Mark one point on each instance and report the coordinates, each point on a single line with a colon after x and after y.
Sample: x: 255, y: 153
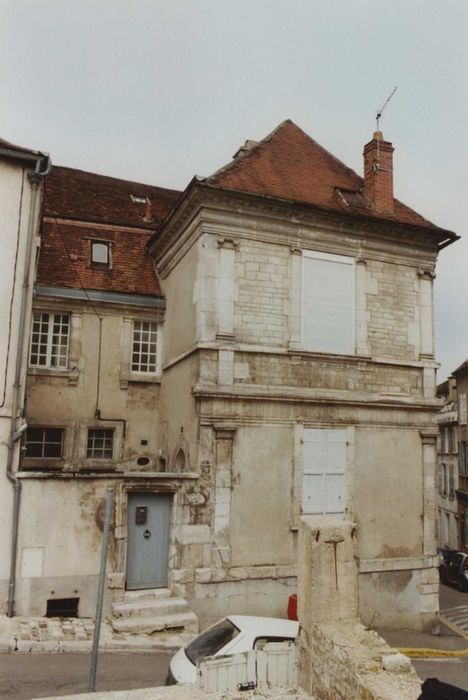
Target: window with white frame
x: 49, y: 340
x: 43, y: 443
x: 100, y: 253
x: 100, y: 443
x: 145, y: 347
x: 324, y: 471
x: 328, y: 301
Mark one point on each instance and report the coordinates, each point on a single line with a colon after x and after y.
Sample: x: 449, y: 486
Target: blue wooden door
x: 149, y: 517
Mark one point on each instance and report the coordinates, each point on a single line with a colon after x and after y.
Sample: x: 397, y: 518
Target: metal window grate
x: 62, y: 607
x: 49, y: 340
x: 144, y: 350
x: 43, y: 443
x: 100, y: 443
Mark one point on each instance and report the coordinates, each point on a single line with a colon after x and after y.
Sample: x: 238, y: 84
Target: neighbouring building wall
x: 461, y: 376
x: 447, y: 471
x: 16, y: 201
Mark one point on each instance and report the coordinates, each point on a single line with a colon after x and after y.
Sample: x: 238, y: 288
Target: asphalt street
x: 24, y: 676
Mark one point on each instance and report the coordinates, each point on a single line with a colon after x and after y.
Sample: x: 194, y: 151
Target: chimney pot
x: 378, y: 172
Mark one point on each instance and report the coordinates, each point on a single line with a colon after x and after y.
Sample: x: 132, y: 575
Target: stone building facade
x: 447, y: 467
x: 295, y: 374
x: 461, y: 378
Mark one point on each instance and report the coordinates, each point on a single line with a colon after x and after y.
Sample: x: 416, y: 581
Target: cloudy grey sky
x: 158, y: 90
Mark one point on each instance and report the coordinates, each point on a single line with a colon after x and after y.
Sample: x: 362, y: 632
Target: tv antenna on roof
x: 379, y: 113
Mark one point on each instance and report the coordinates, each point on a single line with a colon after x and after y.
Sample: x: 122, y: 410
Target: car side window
x: 260, y: 642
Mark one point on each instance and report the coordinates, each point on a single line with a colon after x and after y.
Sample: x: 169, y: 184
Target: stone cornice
x: 199, y: 196
x: 232, y: 218
x: 301, y: 395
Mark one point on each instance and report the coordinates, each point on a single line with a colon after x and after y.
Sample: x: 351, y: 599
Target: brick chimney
x: 378, y: 172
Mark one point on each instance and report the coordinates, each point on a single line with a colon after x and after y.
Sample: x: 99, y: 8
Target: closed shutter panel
x: 324, y: 472
x: 328, y: 305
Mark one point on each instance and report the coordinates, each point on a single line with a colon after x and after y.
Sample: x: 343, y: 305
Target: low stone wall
x: 339, y: 659
x: 346, y: 661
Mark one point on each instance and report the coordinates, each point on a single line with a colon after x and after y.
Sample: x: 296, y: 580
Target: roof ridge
x: 236, y: 161
x: 112, y: 177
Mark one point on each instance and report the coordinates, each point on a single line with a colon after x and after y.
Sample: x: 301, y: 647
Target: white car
x: 231, y: 635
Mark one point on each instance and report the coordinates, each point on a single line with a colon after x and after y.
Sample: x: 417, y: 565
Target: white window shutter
x: 328, y: 304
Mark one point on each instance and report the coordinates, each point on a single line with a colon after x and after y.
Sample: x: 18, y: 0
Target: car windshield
x: 212, y: 640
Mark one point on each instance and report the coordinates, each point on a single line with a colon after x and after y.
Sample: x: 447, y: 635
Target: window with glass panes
x: 100, y: 443
x: 43, y: 443
x: 144, y: 347
x: 49, y: 340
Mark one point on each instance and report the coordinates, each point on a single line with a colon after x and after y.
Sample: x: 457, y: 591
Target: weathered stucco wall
x: 261, y: 487
x: 181, y: 321
x: 59, y: 549
x: 69, y: 398
x: 388, y: 488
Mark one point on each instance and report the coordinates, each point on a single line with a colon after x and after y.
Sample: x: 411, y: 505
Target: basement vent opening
x: 142, y: 461
x: 62, y: 607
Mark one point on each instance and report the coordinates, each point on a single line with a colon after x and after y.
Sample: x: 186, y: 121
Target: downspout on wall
x: 35, y: 178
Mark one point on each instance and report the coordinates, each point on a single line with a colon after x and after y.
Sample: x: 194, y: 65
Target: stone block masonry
x: 338, y: 656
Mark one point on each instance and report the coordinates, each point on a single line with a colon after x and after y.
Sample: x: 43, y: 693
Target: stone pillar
x: 362, y: 339
x: 221, y: 553
x: 429, y: 462
x: 227, y: 252
x: 426, y: 315
x: 295, y: 315
x: 327, y: 571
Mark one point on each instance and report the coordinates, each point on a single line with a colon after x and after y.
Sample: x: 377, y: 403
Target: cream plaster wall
x: 59, y: 548
x: 179, y: 420
x: 68, y: 398
x: 262, y: 483
x: 15, y: 205
x: 179, y: 289
x: 388, y: 493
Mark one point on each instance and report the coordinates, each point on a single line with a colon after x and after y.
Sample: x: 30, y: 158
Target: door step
x: 151, y: 612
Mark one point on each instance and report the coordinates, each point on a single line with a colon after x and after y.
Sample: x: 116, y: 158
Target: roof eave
x: 446, y: 237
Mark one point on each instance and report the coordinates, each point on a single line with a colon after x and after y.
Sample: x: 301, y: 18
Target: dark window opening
x: 143, y: 461
x: 43, y: 443
x: 100, y: 443
x: 62, y: 607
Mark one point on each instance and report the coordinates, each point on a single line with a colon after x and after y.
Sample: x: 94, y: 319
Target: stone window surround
x: 361, y: 345
x: 297, y: 466
x: 71, y: 372
x: 126, y: 344
x: 86, y: 463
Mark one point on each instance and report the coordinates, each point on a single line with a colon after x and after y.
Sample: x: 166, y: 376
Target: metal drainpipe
x: 35, y: 178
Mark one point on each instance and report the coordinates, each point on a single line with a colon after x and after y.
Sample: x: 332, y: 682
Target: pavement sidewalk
x: 74, y: 635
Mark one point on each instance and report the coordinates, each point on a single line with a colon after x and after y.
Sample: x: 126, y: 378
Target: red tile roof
x: 75, y: 194
x: 80, y: 206
x: 290, y: 165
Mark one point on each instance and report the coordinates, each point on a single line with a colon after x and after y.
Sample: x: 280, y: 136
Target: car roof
x: 267, y: 626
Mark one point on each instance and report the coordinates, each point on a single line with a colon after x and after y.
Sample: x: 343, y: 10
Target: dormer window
x: 100, y: 253
x: 139, y: 199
